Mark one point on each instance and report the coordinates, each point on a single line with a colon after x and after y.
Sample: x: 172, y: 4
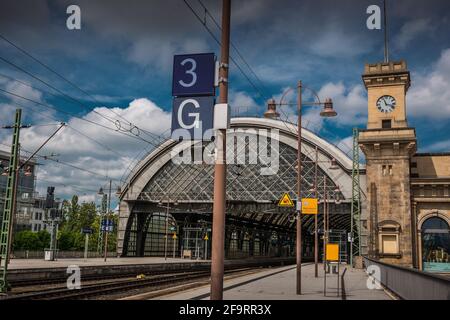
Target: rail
x: 408, y: 284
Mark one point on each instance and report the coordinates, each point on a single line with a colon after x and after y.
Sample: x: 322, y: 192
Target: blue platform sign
x: 193, y: 75
x: 87, y: 230
x: 194, y: 115
x: 107, y: 225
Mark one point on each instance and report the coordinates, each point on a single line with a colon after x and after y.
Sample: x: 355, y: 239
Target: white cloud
x: 242, y: 104
x: 350, y: 103
x: 439, y: 146
x: 429, y: 96
x: 334, y: 42
x: 158, y: 52
x: 411, y: 30
x: 80, y: 151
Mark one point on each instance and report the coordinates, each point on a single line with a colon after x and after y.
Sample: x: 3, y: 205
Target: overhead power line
x: 50, y: 86
x: 117, y: 122
x: 204, y: 24
x: 104, y: 146
x: 234, y: 47
x: 75, y: 116
x: 65, y: 163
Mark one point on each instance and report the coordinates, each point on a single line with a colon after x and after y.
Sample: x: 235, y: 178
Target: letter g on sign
x: 195, y: 115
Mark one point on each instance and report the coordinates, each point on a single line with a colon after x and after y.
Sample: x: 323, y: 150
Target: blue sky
x: 122, y: 57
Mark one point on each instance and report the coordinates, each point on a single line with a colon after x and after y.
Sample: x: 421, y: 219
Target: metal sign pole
x: 86, y: 244
x: 220, y: 172
x: 339, y: 263
x: 174, y: 243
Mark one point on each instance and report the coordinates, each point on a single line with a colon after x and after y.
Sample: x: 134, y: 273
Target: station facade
x: 255, y: 224
x: 407, y: 192
x: 405, y: 199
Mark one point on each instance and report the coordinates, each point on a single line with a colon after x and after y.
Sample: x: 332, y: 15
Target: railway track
x: 104, y: 289
x: 85, y: 278
x: 48, y: 276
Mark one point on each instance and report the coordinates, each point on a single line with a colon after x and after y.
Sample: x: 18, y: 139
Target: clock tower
x: 388, y: 144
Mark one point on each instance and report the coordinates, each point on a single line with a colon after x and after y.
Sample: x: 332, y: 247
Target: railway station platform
x: 279, y: 284
x: 91, y: 262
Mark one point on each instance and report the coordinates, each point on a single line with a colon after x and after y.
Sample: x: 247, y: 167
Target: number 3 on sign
x: 190, y: 72
x: 193, y: 75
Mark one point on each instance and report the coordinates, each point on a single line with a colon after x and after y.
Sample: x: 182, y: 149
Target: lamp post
x: 107, y: 216
x: 14, y: 167
x: 315, y: 190
x: 166, y: 232
x: 326, y: 219
x: 327, y: 111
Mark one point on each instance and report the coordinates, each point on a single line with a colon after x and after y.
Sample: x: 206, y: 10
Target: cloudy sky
x: 119, y: 68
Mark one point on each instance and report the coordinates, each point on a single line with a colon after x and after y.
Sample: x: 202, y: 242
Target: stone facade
x: 388, y: 150
x: 404, y: 188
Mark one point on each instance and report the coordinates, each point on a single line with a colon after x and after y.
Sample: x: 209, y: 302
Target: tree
x: 28, y: 240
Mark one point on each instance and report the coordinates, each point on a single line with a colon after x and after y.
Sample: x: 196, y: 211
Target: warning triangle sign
x: 174, y: 237
x: 286, y: 201
x: 206, y: 238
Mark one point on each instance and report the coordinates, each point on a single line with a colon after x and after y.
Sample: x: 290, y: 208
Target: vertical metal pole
x: 167, y: 230
x: 206, y: 249
x: 86, y: 245
x: 197, y: 253
x: 316, y: 234
x: 14, y: 203
x: 52, y: 243
x: 386, y: 40
x: 324, y: 221
x: 174, y: 245
x: 10, y: 204
x: 218, y: 228
x: 299, y: 196
x: 325, y: 235
x: 339, y: 263
x: 107, y: 219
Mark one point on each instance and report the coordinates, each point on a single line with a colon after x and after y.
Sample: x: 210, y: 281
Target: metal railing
x: 408, y: 284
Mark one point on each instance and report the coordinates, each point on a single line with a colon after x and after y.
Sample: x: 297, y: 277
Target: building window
x: 389, y: 238
x: 386, y: 124
x: 436, y: 245
x: 387, y: 170
x: 389, y: 243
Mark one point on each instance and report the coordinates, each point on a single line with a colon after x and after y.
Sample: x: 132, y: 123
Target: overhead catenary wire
x: 258, y: 91
x: 25, y: 52
x: 78, y: 117
x: 104, y: 146
x: 65, y: 163
x: 53, y: 87
x: 81, y: 189
x: 234, y: 47
x: 90, y: 138
x: 97, y: 142
x: 65, y: 98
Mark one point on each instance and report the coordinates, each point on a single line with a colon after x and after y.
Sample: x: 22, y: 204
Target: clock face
x: 386, y: 104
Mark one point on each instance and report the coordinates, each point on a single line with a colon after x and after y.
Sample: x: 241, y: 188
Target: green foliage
x: 28, y: 240
x: 75, y: 217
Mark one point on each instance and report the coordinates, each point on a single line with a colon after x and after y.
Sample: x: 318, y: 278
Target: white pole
x: 86, y: 244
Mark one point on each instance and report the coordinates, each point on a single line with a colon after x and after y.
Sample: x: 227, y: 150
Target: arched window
x: 435, y: 245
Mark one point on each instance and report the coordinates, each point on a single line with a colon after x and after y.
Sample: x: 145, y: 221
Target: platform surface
x: 40, y: 263
x: 279, y: 284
